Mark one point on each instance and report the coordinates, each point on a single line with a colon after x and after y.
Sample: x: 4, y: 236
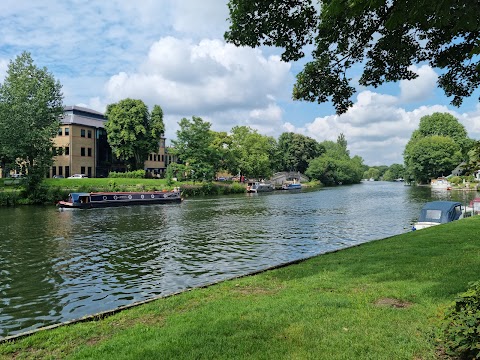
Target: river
x: 58, y: 266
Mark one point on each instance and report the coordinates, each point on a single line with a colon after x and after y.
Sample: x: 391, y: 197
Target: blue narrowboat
x: 111, y: 199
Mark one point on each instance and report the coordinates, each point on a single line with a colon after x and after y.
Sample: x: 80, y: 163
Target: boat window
x: 433, y: 215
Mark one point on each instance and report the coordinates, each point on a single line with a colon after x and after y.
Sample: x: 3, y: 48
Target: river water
x: 58, y: 266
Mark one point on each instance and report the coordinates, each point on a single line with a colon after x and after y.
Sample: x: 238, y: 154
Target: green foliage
x: 335, y: 166
x: 169, y: 175
x: 372, y: 173
x: 194, y: 148
x: 455, y: 180
x: 132, y: 132
x: 209, y: 188
x: 387, y: 36
x: 461, y: 325
x: 252, y: 154
x: 136, y: 174
x: 296, y: 150
x: 9, y: 198
x: 431, y: 157
x: 395, y: 171
x: 30, y: 109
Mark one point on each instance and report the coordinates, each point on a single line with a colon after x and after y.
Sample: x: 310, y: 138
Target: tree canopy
x: 387, y: 37
x: 335, y: 166
x: 132, y: 132
x: 31, y: 104
x: 296, y: 150
x: 438, y: 145
x: 196, y: 149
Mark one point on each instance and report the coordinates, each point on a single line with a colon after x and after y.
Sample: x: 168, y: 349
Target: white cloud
x: 421, y: 88
x: 3, y: 69
x: 209, y: 79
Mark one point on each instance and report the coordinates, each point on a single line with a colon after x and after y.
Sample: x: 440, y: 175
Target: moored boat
x: 289, y: 185
x: 439, y: 212
x: 256, y: 187
x: 441, y: 184
x: 112, y: 199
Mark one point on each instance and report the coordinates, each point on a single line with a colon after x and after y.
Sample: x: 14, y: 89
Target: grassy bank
x: 54, y: 190
x: 380, y: 300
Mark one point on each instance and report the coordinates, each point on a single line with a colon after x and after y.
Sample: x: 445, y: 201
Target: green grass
x: 380, y: 300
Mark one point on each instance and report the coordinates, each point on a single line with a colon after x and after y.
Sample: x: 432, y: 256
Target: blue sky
x: 172, y: 53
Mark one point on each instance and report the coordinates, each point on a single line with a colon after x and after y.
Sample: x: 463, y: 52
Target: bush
x: 137, y: 174
x: 461, y: 325
x: 455, y: 180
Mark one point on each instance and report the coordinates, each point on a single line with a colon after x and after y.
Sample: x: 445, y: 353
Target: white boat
x: 439, y: 212
x: 256, y: 187
x: 441, y: 184
x: 291, y: 185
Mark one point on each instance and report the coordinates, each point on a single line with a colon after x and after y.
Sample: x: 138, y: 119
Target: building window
x: 82, y: 152
x: 82, y: 170
x: 82, y: 132
x: 60, y: 132
x: 67, y: 171
x: 163, y: 158
x: 89, y: 173
x: 54, y: 171
x: 150, y: 157
x: 89, y: 134
x: 67, y: 150
x: 89, y: 151
x: 67, y: 131
x: 154, y: 157
x: 60, y: 170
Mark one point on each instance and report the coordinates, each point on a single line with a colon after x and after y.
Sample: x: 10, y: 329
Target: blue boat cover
x: 76, y: 196
x: 440, y: 211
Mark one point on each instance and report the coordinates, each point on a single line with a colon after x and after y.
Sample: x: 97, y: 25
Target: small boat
x: 256, y: 187
x: 291, y: 185
x: 112, y: 199
x: 440, y: 184
x: 439, y: 212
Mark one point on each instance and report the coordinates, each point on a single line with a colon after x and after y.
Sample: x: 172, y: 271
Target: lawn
x: 380, y: 300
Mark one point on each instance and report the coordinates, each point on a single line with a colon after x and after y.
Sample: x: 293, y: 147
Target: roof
x: 83, y: 116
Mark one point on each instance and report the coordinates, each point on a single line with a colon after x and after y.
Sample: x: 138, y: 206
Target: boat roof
x: 440, y: 212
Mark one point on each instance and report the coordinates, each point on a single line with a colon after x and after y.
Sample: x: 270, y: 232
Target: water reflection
x: 57, y: 266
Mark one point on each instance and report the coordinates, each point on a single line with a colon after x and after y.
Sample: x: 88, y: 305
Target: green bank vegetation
x: 381, y: 300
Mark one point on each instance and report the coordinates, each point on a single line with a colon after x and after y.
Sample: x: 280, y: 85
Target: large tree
x: 132, y: 132
x: 430, y: 157
x: 252, y: 153
x: 297, y: 150
x: 31, y: 104
x: 444, y: 157
x: 387, y: 37
x: 196, y: 149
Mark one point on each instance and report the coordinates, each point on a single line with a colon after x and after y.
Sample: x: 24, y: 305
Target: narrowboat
x: 111, y: 199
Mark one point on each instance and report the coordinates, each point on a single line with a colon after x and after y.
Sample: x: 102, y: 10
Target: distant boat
x: 438, y: 212
x: 440, y: 184
x: 291, y: 185
x: 112, y: 199
x: 257, y: 187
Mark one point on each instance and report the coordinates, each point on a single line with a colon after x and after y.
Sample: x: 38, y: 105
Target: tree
x: 132, y: 132
x: 395, y: 171
x: 430, y: 157
x: 335, y: 166
x: 372, y: 173
x: 387, y: 36
x: 195, y: 149
x: 31, y: 104
x: 251, y: 153
x: 296, y: 151
x: 438, y: 126
x: 445, y: 124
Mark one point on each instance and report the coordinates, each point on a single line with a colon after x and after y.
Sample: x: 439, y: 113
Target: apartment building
x: 83, y: 148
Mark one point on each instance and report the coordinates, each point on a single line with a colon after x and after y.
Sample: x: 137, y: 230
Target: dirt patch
x: 395, y: 303
x: 253, y: 290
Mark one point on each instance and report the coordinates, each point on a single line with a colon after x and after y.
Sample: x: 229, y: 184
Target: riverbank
x: 377, y: 300
x: 54, y: 190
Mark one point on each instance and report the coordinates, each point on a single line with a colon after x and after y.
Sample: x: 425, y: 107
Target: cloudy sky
x: 172, y: 53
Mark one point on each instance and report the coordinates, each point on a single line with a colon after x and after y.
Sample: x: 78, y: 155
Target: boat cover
x: 76, y: 196
x: 440, y: 211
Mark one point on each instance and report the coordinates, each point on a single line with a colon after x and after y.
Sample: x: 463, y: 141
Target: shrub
x: 461, y: 325
x: 455, y: 180
x: 137, y: 174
